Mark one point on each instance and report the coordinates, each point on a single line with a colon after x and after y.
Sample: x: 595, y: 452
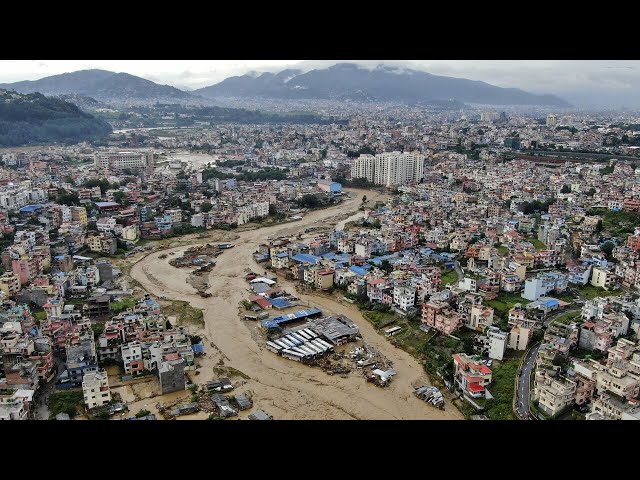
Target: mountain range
x: 343, y: 81
x: 101, y: 85
x: 383, y: 83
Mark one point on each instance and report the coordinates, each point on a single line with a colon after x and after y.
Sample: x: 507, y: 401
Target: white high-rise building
x: 121, y: 160
x: 389, y: 168
x: 552, y: 120
x: 362, y: 167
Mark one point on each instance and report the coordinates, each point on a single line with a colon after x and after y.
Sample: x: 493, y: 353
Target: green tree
x: 599, y: 226
x: 206, y: 207
x: 118, y: 197
x: 565, y: 189
x: 607, y: 249
x: 309, y: 201
x: 386, y: 266
x: 364, y: 199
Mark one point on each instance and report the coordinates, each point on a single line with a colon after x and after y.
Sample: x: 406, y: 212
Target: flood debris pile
x: 201, y: 256
x: 333, y: 364
x: 430, y: 394
x: 176, y: 409
x: 375, y: 367
x: 223, y: 406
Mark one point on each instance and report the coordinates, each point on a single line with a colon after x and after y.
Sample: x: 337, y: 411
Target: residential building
x: 497, y: 343
x: 554, y: 393
x: 171, y: 375
x: 470, y: 376
x: 131, y: 354
x: 95, y: 388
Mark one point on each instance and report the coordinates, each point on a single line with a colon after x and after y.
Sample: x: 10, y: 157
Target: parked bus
x: 304, y: 335
x: 326, y: 344
x: 310, y: 332
x: 390, y: 332
x: 291, y: 355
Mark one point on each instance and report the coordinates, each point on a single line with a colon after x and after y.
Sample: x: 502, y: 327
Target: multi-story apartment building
x: 132, y: 358
x: 470, y: 376
x: 95, y: 388
x: 389, y: 168
x: 480, y: 318
x: 603, y: 278
x: 497, y: 343
x: 79, y: 214
x: 404, y: 296
x: 537, y: 287
x: 10, y: 283
x: 122, y: 160
x: 442, y: 318
x: 554, y: 393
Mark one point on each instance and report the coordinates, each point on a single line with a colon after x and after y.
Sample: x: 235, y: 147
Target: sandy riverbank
x: 286, y: 389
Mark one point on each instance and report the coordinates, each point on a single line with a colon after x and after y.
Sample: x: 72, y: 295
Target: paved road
x: 524, y: 387
x: 42, y: 399
x: 459, y: 271
x: 524, y: 375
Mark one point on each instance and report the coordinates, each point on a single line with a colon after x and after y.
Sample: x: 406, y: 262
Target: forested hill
x: 34, y: 118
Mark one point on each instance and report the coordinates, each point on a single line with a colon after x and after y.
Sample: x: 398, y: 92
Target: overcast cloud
x: 588, y: 82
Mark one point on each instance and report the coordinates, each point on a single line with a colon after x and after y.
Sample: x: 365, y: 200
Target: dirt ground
x: 283, y: 388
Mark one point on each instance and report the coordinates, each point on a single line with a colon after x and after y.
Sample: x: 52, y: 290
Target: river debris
x: 430, y: 394
x: 201, y: 256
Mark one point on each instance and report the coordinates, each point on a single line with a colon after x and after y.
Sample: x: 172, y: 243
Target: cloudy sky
x: 594, y: 82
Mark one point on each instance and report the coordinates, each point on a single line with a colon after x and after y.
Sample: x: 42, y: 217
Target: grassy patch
x: 567, y: 318
x: 502, y: 386
x: 505, y: 302
x: 581, y: 354
x: 589, y: 292
x: 617, y: 224
x: 40, y: 315
x: 185, y: 313
x: 448, y: 277
x: 412, y: 340
x: 536, y: 243
x: 122, y: 305
x: 65, y: 402
x: 379, y: 319
x: 502, y: 250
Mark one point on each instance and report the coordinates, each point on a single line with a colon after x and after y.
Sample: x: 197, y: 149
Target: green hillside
x: 34, y: 118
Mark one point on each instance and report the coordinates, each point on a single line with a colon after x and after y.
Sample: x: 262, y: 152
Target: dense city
x: 363, y: 262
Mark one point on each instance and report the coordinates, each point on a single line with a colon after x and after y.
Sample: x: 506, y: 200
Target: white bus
x: 390, y: 332
x: 273, y: 347
x: 291, y: 355
x: 301, y: 333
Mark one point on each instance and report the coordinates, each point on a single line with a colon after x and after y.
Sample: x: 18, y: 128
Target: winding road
x: 523, y: 407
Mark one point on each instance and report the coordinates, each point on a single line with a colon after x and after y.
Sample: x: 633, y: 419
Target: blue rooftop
x: 197, y: 348
x: 30, y: 208
x: 282, y: 255
x: 378, y: 260
x: 306, y: 258
x: 550, y: 302
x: 290, y: 317
x: 279, y: 302
x: 360, y: 271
